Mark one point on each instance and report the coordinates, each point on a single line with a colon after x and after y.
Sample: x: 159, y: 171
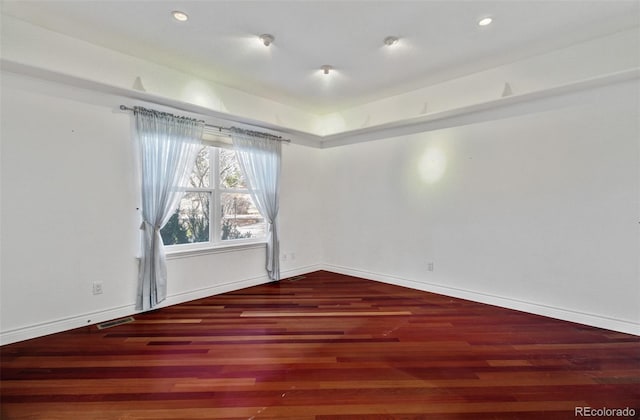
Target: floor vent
x: 115, y: 322
x: 296, y: 278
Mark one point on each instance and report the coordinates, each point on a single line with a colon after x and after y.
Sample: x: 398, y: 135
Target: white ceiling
x: 439, y: 39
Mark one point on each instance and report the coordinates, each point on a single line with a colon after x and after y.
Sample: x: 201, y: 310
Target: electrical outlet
x: 97, y: 287
x: 430, y: 266
x: 293, y: 255
x: 283, y: 257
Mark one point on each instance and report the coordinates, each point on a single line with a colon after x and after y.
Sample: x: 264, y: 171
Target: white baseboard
x: 593, y: 320
x: 91, y: 318
x: 301, y: 270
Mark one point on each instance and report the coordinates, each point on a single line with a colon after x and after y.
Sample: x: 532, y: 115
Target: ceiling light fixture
x: 391, y: 41
x: 180, y: 16
x: 267, y: 39
x: 485, y: 21
x: 326, y: 68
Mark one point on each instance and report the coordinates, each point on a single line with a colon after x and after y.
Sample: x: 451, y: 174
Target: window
x: 217, y: 207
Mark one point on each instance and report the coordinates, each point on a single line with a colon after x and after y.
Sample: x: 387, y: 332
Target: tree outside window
x: 215, y: 182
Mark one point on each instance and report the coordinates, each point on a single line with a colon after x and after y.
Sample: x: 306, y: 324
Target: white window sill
x: 175, y: 252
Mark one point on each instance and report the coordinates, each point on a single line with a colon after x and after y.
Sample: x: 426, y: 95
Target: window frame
x: 215, y: 189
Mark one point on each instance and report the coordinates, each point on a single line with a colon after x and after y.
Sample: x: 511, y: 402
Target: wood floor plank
x: 258, y: 314
x: 327, y: 346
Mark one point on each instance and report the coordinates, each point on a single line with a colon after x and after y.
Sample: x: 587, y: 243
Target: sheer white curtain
x: 259, y: 158
x: 168, y: 146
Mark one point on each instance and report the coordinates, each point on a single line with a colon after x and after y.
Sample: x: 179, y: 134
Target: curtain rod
x: 231, y: 130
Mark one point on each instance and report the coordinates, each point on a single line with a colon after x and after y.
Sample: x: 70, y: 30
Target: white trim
x: 91, y: 318
x: 474, y: 113
x: 175, y: 252
x: 218, y: 117
x: 467, y: 114
x: 299, y: 271
x: 584, y: 318
x: 64, y: 324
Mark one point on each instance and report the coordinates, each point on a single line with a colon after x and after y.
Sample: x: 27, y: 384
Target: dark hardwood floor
x: 327, y: 346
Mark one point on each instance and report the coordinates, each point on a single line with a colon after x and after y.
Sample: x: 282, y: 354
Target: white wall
x: 536, y: 212
x: 69, y: 217
x: 68, y: 206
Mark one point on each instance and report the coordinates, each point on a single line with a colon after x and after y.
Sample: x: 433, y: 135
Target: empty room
x: 320, y: 209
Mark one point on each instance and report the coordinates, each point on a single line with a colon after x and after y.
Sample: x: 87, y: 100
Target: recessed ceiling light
x: 326, y: 68
x: 267, y: 39
x: 485, y: 21
x: 391, y: 41
x: 180, y: 16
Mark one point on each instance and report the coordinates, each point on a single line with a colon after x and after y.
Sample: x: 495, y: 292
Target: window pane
x: 190, y: 223
x: 230, y: 175
x: 201, y: 170
x: 240, y: 218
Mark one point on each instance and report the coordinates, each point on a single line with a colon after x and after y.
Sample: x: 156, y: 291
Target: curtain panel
x: 260, y: 160
x: 167, y: 147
